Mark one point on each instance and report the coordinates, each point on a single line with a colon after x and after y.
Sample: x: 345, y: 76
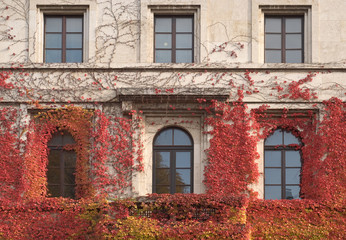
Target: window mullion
x: 64, y: 39
x: 174, y: 39
x: 173, y: 172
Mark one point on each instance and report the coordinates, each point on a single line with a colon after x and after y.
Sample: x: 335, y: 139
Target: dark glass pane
x: 54, y: 24
x: 54, y: 191
x: 274, y: 139
x: 293, y: 25
x: 54, y: 158
x: 53, y: 41
x: 272, y: 158
x: 184, y: 40
x: 74, y: 24
x: 273, y: 25
x: 292, y: 159
x: 162, y: 189
x: 181, y: 138
x: 162, y: 159
x: 292, y: 192
x: 292, y: 175
x: 184, y: 56
x: 53, y: 175
x: 74, y: 56
x: 56, y: 140
x: 163, y: 41
x: 74, y: 40
x: 164, y: 138
x: 272, y: 192
x: 272, y: 176
x: 70, y: 191
x: 183, y: 176
x: 53, y: 56
x: 289, y: 138
x: 162, y: 176
x: 273, y: 41
x: 294, y: 56
x: 68, y: 139
x: 183, y: 189
x: 163, y: 56
x: 163, y: 25
x: 70, y: 159
x: 293, y: 41
x: 273, y: 56
x: 183, y: 24
x: 69, y: 176
x: 183, y: 159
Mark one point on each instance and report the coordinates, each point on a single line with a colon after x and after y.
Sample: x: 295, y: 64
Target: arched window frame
x: 59, y: 146
x: 173, y: 149
x: 283, y: 149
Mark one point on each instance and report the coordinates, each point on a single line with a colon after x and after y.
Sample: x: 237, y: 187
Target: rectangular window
x: 174, y: 39
x: 63, y: 39
x: 284, y: 39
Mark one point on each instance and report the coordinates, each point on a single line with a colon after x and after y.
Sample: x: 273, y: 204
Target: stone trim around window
x: 148, y: 13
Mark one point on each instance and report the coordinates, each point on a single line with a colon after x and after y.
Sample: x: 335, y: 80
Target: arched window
x: 173, y: 162
x: 61, y: 166
x: 282, y: 166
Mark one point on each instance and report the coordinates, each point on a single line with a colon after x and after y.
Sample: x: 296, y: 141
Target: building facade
x: 159, y: 64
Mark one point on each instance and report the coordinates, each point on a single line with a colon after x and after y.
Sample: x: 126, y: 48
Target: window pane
x: 53, y: 56
x: 53, y: 175
x: 292, y: 175
x: 74, y: 56
x: 184, y: 24
x: 293, y: 41
x: 54, y: 158
x: 273, y: 56
x: 163, y: 41
x: 162, y: 176
x: 69, y: 176
x: 163, y: 24
x: 74, y: 40
x: 70, y: 191
x: 53, y: 24
x: 56, y: 140
x: 162, y: 159
x: 54, y: 191
x: 164, y: 138
x: 183, y: 189
x: 162, y: 189
x: 183, y: 177
x: 293, y: 25
x: 183, y: 159
x: 272, y: 176
x: 163, y: 56
x: 273, y: 41
x: 67, y: 139
x: 272, y: 192
x: 292, y: 192
x: 289, y: 138
x: 181, y: 138
x: 74, y: 24
x: 53, y: 41
x: 273, y: 25
x: 70, y: 158
x: 293, y: 56
x: 292, y: 159
x: 184, y: 56
x: 274, y: 139
x: 184, y: 40
x: 272, y: 158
